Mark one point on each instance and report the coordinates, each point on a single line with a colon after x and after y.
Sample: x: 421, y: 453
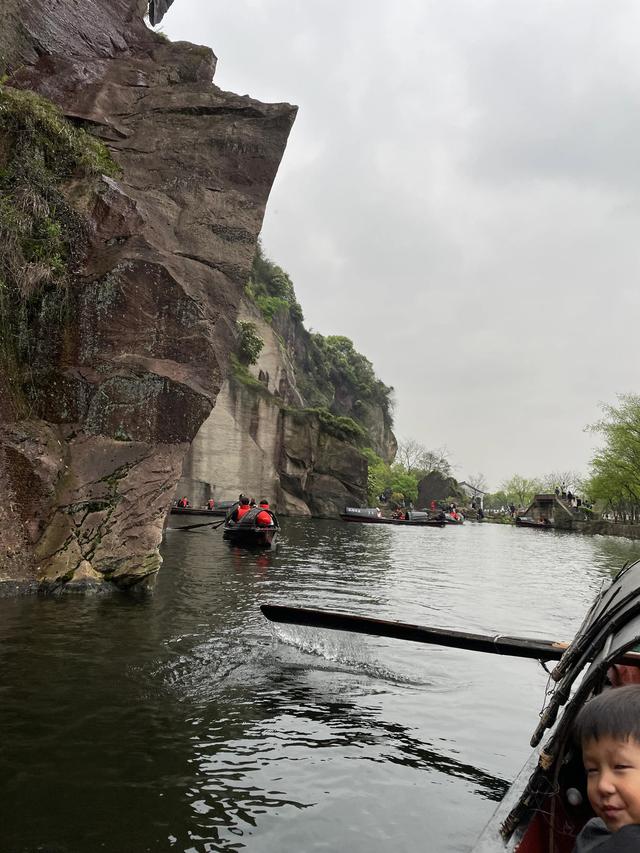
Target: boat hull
x: 534, y: 836
x: 364, y: 519
x: 179, y: 510
x: 252, y: 537
x: 521, y: 522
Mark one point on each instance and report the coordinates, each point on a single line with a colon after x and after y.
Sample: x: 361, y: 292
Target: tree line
x: 612, y: 484
x: 398, y: 482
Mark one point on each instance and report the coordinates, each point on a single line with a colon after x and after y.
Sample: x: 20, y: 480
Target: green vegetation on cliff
x: 335, y: 380
x: 272, y: 290
x: 41, y: 234
x: 250, y: 344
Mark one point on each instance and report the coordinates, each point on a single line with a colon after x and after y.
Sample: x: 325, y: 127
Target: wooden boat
x: 221, y: 508
x: 526, y: 521
x: 369, y: 515
x: 547, y: 804
x: 246, y: 533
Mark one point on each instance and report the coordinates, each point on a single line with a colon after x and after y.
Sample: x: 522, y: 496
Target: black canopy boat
x: 221, y: 508
x: 247, y: 533
x: 371, y: 515
x: 547, y: 804
x: 526, y: 521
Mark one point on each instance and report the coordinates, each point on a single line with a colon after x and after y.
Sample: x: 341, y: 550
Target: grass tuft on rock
x: 41, y: 235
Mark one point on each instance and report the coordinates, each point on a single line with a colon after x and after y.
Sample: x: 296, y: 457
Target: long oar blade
x: 522, y: 647
x: 212, y: 524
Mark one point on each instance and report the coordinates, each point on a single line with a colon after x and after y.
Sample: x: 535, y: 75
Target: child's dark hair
x: 614, y: 713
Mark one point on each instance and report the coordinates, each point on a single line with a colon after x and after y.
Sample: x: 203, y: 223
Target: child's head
x: 608, y: 728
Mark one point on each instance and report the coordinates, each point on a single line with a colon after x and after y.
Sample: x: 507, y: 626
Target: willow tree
x: 615, y: 468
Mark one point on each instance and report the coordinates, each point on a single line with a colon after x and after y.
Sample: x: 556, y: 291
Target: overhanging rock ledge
x: 126, y: 362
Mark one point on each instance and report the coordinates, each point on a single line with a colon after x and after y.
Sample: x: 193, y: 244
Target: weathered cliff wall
x: 125, y: 362
x: 260, y: 441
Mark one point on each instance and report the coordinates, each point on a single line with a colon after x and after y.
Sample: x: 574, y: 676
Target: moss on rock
x: 42, y: 236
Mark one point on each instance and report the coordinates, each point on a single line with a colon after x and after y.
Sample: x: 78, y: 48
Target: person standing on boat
x: 264, y: 517
x: 210, y: 504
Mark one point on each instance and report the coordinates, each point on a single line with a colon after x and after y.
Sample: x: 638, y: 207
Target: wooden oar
x: 211, y: 524
x: 522, y: 647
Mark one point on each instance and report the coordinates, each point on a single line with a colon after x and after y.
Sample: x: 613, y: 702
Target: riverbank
x: 594, y: 527
x: 607, y: 528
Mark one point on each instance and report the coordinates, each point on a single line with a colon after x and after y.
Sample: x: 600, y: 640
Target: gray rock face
x: 436, y: 487
x: 259, y: 440
x: 251, y: 443
x: 124, y: 376
x: 158, y: 9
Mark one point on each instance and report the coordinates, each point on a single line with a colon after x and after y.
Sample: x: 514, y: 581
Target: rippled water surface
x: 187, y: 722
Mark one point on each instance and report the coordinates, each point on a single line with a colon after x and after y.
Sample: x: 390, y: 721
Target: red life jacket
x: 243, y: 509
x: 264, y: 519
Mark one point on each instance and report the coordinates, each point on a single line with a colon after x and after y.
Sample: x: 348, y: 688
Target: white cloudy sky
x: 460, y: 196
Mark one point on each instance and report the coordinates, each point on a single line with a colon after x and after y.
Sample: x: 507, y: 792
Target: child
x: 608, y: 728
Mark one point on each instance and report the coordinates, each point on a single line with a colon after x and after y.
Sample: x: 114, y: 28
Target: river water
x: 186, y: 722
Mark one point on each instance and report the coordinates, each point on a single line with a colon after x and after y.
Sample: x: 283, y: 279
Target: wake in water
x: 347, y: 654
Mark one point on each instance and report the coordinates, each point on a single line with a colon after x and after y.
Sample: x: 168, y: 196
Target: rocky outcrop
x: 436, y: 487
x: 128, y: 360
x: 260, y: 440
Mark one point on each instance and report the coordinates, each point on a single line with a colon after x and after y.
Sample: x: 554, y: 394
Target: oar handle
x: 523, y: 647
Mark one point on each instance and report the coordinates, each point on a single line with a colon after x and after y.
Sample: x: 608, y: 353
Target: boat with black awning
x: 248, y: 533
x: 527, y: 521
x: 372, y: 515
x: 220, y: 508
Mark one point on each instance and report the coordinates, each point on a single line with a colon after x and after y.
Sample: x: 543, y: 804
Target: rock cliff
x: 292, y: 426
x: 261, y: 439
x: 118, y: 360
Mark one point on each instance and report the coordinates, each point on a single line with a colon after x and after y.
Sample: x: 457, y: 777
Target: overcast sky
x: 460, y: 196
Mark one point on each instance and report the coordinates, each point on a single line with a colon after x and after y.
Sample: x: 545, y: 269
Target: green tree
x: 615, y: 468
x: 496, y: 500
x: 520, y: 490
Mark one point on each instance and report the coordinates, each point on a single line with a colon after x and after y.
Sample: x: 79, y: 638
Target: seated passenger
x: 608, y: 728
x: 243, y: 509
x: 211, y: 503
x: 264, y: 517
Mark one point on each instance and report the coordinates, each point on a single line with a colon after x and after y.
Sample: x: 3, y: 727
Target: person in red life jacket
x: 243, y: 509
x: 211, y: 503
x: 183, y: 502
x: 264, y: 518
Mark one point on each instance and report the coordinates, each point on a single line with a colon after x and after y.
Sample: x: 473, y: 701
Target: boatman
x: 264, y: 517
